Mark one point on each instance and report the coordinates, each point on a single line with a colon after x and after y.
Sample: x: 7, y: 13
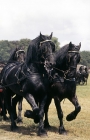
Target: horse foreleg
x: 38, y: 112
x: 60, y: 115
x: 46, y: 121
x: 41, y: 130
x: 73, y: 114
x: 29, y: 114
x: 10, y: 109
x: 19, y: 118
x: 14, y: 103
x: 3, y: 107
x: 4, y: 110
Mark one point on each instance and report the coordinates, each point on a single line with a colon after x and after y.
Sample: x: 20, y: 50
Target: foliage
x: 6, y: 47
x: 57, y: 44
x: 4, y: 50
x: 85, y: 58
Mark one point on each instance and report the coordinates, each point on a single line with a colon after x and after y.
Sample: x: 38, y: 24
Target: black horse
x: 18, y: 56
x: 86, y: 75
x: 64, y: 83
x: 82, y: 75
x: 30, y: 80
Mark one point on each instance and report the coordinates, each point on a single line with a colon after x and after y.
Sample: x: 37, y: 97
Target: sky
x: 69, y: 20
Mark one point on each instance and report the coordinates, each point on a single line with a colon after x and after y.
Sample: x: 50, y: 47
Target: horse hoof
x: 5, y: 118
x: 36, y: 120
x: 14, y: 128
x: 62, y: 131
x: 70, y: 117
x: 29, y: 114
x: 47, y: 125
x: 19, y: 120
x: 42, y: 133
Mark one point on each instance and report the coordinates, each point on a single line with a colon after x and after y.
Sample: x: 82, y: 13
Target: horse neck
x: 61, y: 57
x: 30, y: 57
x: 34, y: 67
x: 61, y: 64
x: 12, y: 57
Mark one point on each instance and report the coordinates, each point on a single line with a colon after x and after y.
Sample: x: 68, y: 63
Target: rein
x: 65, y: 72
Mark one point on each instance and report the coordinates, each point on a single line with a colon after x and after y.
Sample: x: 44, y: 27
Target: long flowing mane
x: 33, y: 47
x: 32, y: 50
x: 61, y: 54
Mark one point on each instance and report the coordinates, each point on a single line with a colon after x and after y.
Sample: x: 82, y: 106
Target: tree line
x: 7, y: 47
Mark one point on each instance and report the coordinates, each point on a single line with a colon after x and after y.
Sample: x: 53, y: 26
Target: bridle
x: 44, y: 53
x: 67, y: 71
x: 69, y: 58
x: 17, y: 52
x: 45, y: 41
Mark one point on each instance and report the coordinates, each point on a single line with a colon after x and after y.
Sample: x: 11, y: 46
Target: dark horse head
x: 67, y: 59
x: 18, y: 55
x: 40, y: 51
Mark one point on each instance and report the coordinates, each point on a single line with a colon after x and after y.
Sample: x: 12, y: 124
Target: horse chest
x: 63, y: 90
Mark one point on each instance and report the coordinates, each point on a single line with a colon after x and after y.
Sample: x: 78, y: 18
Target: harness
x: 9, y: 67
x: 63, y: 79
x: 45, y: 41
x: 44, y: 53
x: 17, y: 52
x: 6, y: 73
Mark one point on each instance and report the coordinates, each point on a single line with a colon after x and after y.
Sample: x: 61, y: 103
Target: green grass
x: 78, y: 129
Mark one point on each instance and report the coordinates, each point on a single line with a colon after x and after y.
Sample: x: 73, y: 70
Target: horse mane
x: 32, y: 51
x: 61, y: 54
x: 11, y: 59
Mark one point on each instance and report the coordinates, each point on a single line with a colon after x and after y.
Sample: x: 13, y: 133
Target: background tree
x: 6, y: 48
x: 85, y: 58
x: 57, y: 44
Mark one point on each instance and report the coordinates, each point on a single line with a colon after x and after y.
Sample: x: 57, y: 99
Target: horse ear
x: 70, y: 44
x: 40, y: 34
x: 51, y: 35
x: 41, y: 37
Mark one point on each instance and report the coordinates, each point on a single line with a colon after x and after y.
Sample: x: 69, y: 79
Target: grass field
x: 78, y: 129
